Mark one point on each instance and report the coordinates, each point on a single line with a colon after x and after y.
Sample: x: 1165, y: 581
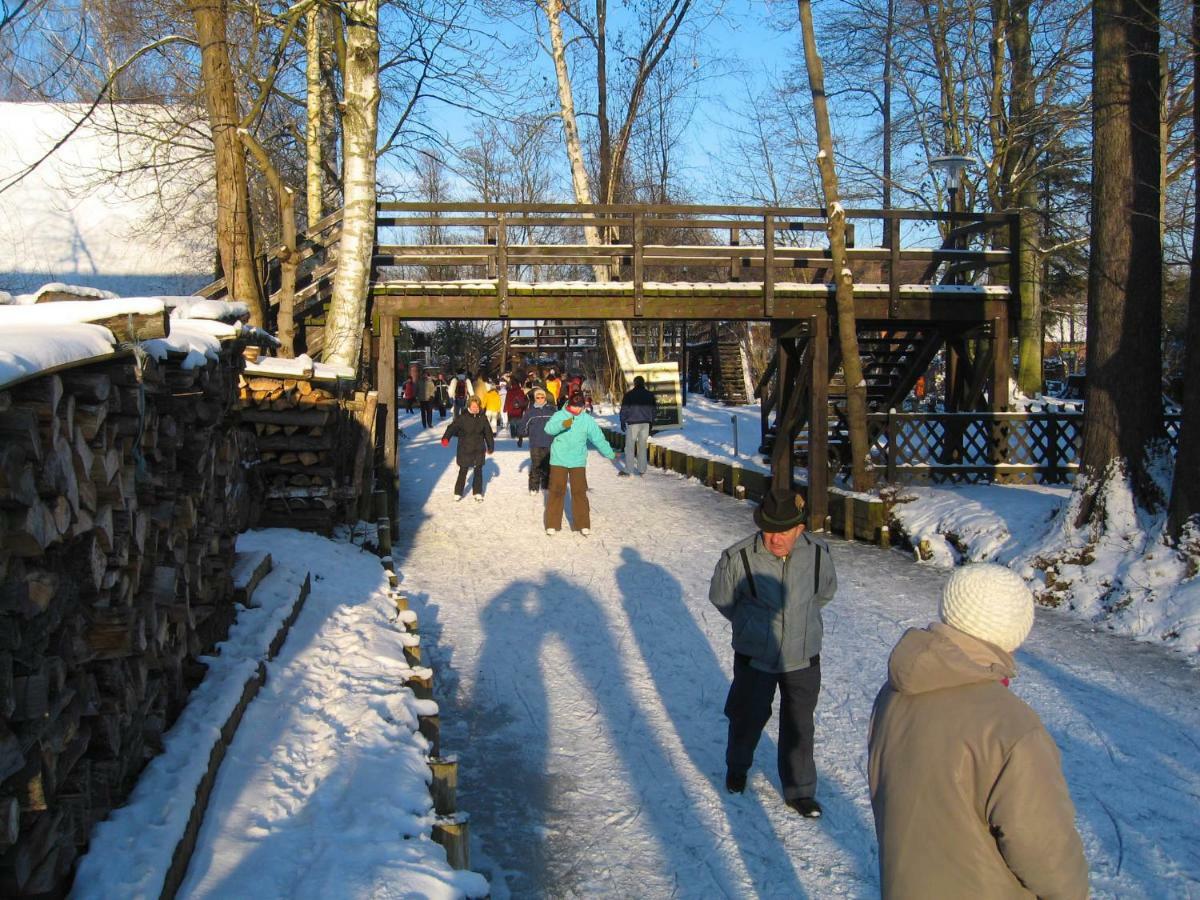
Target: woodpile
x: 121, y: 492
x: 315, y: 448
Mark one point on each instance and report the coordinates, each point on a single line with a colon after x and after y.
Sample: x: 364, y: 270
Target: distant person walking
x: 462, y: 390
x: 572, y: 429
x: 771, y: 586
x: 443, y: 395
x: 408, y: 393
x: 637, y: 415
x: 966, y: 783
x: 475, y: 444
x: 515, y: 402
x: 554, y: 386
x: 492, y: 404
x: 426, y: 394
x: 533, y: 426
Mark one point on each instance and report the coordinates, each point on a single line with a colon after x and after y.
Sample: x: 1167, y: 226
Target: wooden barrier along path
x: 856, y: 517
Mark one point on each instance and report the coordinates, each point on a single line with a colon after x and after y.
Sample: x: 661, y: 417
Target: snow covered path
x: 582, y: 680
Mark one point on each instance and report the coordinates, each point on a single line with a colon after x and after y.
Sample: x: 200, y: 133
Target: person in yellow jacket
x: 554, y: 386
x: 491, y: 405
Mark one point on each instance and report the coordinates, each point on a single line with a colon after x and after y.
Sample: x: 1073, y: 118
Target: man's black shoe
x: 735, y: 784
x: 806, y: 806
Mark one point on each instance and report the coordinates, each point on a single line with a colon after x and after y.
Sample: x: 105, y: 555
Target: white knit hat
x: 989, y: 602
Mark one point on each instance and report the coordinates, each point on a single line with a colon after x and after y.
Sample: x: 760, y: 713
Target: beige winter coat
x: 966, y: 783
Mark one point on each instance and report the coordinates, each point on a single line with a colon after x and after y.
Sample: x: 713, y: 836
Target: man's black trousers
x: 748, y: 709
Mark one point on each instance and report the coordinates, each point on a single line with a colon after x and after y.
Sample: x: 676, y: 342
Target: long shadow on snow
x: 693, y: 685
x: 530, y: 792
x: 1131, y: 771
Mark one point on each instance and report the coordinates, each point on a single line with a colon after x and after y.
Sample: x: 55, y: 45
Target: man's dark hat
x: 781, y: 510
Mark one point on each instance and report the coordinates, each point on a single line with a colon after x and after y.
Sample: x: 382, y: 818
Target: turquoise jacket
x: 570, y: 445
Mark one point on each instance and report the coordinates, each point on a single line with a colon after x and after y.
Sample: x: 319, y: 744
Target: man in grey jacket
x: 772, y: 586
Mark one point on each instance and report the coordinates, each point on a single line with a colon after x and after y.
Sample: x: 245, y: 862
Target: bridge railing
x: 641, y: 243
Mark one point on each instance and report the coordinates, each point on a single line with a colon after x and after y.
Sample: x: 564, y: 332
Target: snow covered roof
x: 69, y: 220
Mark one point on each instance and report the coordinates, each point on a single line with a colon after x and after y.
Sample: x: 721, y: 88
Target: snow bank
x: 324, y: 792
x: 131, y: 851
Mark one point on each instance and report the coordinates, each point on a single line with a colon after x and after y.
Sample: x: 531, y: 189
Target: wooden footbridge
x: 953, y: 286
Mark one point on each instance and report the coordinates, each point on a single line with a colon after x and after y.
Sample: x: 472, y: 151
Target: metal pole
x: 733, y: 422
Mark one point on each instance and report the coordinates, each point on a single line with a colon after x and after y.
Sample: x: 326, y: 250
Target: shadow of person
x: 550, y: 654
x: 1129, y: 759
x: 692, y: 685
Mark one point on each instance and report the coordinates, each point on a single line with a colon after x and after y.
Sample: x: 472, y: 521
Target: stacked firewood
x: 121, y: 493
x: 309, y: 450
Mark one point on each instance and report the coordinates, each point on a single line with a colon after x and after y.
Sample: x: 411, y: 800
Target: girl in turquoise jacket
x: 572, y: 430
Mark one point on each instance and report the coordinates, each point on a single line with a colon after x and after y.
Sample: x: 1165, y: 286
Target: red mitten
x: 445, y: 442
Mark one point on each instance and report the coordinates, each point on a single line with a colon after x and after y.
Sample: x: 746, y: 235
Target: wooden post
x: 412, y: 650
x: 892, y: 235
x: 768, y: 265
x: 892, y: 428
x: 502, y: 264
x: 420, y: 682
x: 639, y: 238
x: 384, y: 529
x: 387, y: 395
x: 444, y: 786
x: 431, y: 729
x: 734, y: 263
x: 452, y: 833
x: 400, y: 600
x: 818, y: 419
x: 848, y: 525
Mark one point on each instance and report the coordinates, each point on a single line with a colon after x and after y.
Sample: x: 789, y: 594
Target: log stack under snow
x: 315, y: 440
x: 121, y: 491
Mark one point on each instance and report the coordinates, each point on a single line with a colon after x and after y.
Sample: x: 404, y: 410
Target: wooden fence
x: 1018, y: 447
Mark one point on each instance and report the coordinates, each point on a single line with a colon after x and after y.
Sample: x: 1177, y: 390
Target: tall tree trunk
x: 617, y: 333
x: 347, y: 312
x: 889, y: 38
x: 856, y: 386
x: 1023, y: 150
x: 289, y: 260
x: 320, y: 136
x: 1185, y: 487
x: 1122, y: 411
x: 234, y: 240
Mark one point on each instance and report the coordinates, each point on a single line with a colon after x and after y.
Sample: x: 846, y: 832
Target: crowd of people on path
x: 966, y: 783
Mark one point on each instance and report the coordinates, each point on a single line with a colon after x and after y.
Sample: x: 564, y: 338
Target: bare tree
x: 347, y: 310
x: 856, y: 385
x: 235, y: 243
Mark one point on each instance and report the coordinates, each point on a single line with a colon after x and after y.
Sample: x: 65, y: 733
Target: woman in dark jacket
x: 475, y: 442
x: 533, y: 426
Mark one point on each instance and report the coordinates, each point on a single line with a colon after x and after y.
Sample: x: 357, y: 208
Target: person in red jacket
x: 514, y: 408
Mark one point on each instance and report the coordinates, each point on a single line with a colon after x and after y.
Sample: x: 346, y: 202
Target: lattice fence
x: 1028, y: 448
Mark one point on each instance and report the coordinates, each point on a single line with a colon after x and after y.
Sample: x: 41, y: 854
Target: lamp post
x: 954, y: 165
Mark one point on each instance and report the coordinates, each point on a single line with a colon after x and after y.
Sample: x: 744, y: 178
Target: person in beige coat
x: 966, y: 783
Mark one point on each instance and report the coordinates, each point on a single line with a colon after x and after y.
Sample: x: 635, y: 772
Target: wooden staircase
x: 729, y: 383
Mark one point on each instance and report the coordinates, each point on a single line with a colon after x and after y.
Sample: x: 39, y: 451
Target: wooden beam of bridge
x: 744, y: 301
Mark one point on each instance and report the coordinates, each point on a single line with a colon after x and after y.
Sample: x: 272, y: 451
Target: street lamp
x: 954, y: 166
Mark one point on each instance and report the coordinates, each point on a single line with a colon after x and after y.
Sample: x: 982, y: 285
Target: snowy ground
x: 581, y: 682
